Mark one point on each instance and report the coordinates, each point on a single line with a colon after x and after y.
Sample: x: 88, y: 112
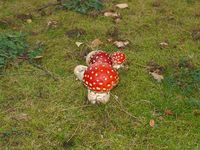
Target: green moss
x: 56, y: 109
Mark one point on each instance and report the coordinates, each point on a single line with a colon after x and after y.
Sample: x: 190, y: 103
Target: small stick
x: 73, y: 133
x: 122, y: 108
x: 83, y: 106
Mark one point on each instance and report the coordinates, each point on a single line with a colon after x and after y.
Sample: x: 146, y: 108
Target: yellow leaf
x: 122, y: 6
x: 79, y: 44
x: 111, y: 14
x: 157, y: 76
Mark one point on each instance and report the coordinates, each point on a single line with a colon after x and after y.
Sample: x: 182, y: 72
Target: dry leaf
x: 111, y: 14
x: 52, y: 24
x: 29, y: 21
x: 96, y: 43
x: 122, y: 6
x: 168, y: 112
x: 157, y: 76
x: 152, y: 123
x: 22, y: 117
x: 110, y: 39
x: 163, y: 44
x: 38, y: 57
x: 160, y: 118
x: 196, y: 112
x: 121, y: 44
x: 154, y: 67
x: 79, y: 44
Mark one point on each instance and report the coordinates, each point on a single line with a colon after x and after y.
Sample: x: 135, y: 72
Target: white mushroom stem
x: 117, y: 66
x: 95, y: 97
x: 79, y: 71
x: 88, y: 57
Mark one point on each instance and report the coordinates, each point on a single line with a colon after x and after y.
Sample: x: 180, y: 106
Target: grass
x: 37, y: 112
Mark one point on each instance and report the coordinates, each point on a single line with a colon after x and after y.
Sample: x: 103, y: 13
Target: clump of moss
x: 83, y: 6
x: 13, y: 45
x: 185, y: 78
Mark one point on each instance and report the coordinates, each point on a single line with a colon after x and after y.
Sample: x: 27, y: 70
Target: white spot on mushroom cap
x: 98, y: 88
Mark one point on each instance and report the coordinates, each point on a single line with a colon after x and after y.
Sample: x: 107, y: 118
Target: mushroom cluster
x: 100, y: 76
x: 115, y: 59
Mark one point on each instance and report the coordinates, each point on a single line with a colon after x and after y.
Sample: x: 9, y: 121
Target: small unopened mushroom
x: 117, y: 59
x: 100, y: 78
x: 79, y: 71
x: 98, y: 57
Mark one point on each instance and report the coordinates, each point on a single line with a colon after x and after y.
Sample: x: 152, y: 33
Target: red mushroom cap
x: 100, y: 77
x: 100, y: 57
x: 118, y: 57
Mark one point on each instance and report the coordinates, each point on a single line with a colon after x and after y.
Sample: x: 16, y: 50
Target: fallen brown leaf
x: 168, y: 112
x: 160, y: 118
x: 76, y: 32
x: 121, y: 44
x: 22, y: 117
x: 110, y: 39
x: 154, y: 67
x: 96, y: 43
x: 157, y: 76
x: 52, y: 24
x: 196, y: 112
x: 152, y: 123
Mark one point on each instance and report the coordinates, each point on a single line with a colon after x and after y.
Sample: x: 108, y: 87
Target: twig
x: 73, y: 133
x: 123, y: 109
x: 15, y: 74
x: 76, y: 107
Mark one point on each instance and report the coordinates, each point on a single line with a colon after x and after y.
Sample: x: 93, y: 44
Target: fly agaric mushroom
x: 118, y: 58
x: 100, y: 78
x: 98, y: 57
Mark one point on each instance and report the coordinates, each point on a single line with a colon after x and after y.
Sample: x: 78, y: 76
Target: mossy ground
x: 37, y: 112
